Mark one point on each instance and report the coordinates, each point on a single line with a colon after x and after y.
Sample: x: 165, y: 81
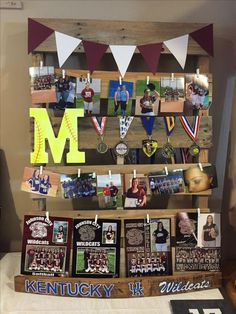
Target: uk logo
x: 136, y: 289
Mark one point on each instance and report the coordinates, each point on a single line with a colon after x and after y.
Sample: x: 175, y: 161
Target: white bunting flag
x: 179, y: 48
x: 65, y: 46
x: 122, y: 56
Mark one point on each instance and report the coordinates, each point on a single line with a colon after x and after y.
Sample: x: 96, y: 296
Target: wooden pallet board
x: 120, y: 32
x: 118, y: 287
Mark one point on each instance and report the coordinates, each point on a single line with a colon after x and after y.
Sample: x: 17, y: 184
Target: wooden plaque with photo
x: 46, y: 246
x: 147, y: 247
x: 96, y: 248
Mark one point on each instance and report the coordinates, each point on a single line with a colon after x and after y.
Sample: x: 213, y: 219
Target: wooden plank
x: 119, y: 287
x: 88, y: 138
x: 120, y: 32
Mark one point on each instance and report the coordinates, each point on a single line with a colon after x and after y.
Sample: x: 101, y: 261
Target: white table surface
x: 24, y: 303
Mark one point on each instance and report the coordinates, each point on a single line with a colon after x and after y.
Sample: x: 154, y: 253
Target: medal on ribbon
x: 121, y: 149
x: 102, y: 147
x: 168, y: 150
x: 192, y: 132
x: 149, y: 145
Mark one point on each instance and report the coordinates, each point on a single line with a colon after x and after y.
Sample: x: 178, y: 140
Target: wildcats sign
x: 68, y: 131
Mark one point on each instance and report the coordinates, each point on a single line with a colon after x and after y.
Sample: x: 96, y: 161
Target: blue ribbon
x: 148, y: 123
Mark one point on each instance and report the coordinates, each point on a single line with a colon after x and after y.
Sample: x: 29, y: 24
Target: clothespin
x: 198, y: 212
x: 134, y: 173
x: 96, y: 219
x: 148, y: 219
x: 166, y: 171
x: 148, y: 80
x: 120, y: 80
x: 79, y: 173
x: 63, y: 73
x: 47, y: 215
x: 172, y: 77
x: 94, y: 175
x: 41, y: 64
x: 197, y: 72
x: 110, y: 174
x: 200, y: 166
x: 41, y: 170
x: 88, y: 77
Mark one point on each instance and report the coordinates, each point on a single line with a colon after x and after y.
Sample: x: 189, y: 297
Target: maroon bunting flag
x: 37, y: 33
x: 94, y: 53
x: 204, y: 37
x: 151, y: 54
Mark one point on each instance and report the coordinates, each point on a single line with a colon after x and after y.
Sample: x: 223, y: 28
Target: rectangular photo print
x: 209, y: 231
x: 74, y: 186
x: 162, y: 183
x: 45, y: 184
x: 186, y: 229
x: 120, y: 98
x: 136, y: 191
x: 197, y: 259
x: 172, y: 94
x: 147, y: 99
x: 147, y: 247
x: 65, y: 92
x: 197, y: 92
x: 109, y: 191
x: 88, y: 95
x: 198, y: 180
x: 96, y: 248
x: 46, y: 245
x: 42, y: 84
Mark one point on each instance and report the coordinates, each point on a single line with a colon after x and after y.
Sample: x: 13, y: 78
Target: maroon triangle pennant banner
x: 37, y: 33
x: 94, y: 53
x: 204, y: 37
x: 151, y: 54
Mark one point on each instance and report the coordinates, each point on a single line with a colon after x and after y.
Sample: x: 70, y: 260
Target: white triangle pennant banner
x: 178, y: 47
x: 65, y: 46
x: 122, y: 56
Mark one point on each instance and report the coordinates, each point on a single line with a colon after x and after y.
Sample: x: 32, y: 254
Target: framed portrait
x: 46, y: 245
x: 145, y: 257
x: 96, y: 248
x: 46, y: 183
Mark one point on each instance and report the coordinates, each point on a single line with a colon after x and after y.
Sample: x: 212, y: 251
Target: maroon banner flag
x: 37, y: 33
x: 204, y: 37
x: 151, y: 54
x: 94, y: 53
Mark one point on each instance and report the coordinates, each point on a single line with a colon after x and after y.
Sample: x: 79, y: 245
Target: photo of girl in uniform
x: 160, y: 235
x: 209, y: 230
x: 136, y: 190
x: 45, y: 183
x: 120, y: 98
x: 198, y: 180
x: 109, y: 233
x: 172, y: 94
x: 42, y: 82
x: 147, y: 98
x: 65, y: 92
x: 60, y: 231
